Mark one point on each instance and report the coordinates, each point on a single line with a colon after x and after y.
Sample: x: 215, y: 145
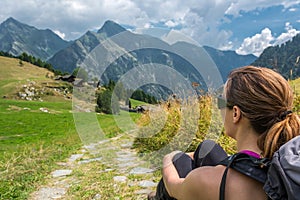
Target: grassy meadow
x: 32, y: 141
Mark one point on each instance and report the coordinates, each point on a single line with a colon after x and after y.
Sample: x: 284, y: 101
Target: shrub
x: 107, y: 103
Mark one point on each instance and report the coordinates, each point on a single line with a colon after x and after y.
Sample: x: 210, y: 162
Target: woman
x: 258, y: 115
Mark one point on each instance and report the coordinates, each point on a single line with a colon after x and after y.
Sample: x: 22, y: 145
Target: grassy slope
x: 31, y: 141
x: 13, y: 75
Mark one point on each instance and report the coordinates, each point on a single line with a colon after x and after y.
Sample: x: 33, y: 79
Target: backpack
x: 280, y: 175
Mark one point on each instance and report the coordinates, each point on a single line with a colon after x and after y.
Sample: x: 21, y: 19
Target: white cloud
x: 284, y: 37
x: 292, y: 9
x: 289, y: 3
x: 174, y: 36
x: 257, y: 43
x: 226, y: 46
x: 78, y: 16
x: 238, y: 5
x: 198, y: 19
x: 147, y: 25
x: 60, y: 34
x: 171, y: 24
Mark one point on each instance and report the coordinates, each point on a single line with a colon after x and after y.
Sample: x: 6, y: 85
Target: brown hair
x: 266, y: 99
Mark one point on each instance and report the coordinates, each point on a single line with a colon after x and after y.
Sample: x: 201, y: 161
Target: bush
x: 107, y: 103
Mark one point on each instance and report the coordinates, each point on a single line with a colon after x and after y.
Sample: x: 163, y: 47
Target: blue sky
x: 275, y: 18
x: 245, y: 26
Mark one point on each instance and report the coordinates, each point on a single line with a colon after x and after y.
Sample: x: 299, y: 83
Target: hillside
x: 283, y: 58
x: 228, y: 60
x: 22, y: 80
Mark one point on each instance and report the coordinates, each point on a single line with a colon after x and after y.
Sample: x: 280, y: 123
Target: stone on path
x: 75, y: 157
x: 61, y: 172
x: 127, y: 145
x: 146, y: 184
x: 90, y: 160
x: 50, y: 193
x: 97, y: 196
x: 120, y: 178
x: 143, y: 191
x: 141, y: 170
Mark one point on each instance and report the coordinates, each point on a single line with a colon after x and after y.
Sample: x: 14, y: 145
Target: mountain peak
x: 12, y: 23
x: 111, y: 28
x: 10, y: 20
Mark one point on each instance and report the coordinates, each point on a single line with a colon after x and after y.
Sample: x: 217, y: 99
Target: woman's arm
x: 201, y: 182
x: 172, y: 181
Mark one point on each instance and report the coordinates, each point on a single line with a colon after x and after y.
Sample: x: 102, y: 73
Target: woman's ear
x: 236, y: 114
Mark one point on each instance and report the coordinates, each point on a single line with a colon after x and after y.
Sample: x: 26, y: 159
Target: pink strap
x: 250, y: 153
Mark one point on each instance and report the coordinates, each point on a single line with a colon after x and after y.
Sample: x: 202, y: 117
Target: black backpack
x: 280, y: 176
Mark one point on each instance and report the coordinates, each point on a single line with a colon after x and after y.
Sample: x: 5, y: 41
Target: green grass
x: 135, y: 103
x: 31, y: 142
x: 111, y: 128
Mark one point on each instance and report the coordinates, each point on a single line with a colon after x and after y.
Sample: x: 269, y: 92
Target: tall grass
x: 180, y: 125
x: 175, y: 120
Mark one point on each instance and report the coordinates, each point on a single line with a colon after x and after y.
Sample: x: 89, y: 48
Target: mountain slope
x: 228, y: 60
x: 69, y: 58
x: 284, y: 58
x: 115, y: 52
x: 16, y: 38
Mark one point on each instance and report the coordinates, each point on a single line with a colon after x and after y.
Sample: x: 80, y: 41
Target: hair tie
x: 284, y: 114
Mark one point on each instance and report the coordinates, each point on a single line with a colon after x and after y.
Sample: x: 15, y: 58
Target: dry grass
x: 179, y: 125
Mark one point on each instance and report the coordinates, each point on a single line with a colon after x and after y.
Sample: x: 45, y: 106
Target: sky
x: 245, y: 26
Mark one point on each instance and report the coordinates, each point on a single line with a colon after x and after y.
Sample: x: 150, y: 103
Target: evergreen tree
x: 107, y: 103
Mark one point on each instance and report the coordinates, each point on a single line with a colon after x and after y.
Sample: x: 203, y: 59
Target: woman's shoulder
x: 205, y: 182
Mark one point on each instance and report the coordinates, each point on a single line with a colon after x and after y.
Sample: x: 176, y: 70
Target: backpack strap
x: 228, y: 161
x: 253, y: 167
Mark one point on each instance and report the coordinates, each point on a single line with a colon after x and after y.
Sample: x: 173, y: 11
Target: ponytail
x: 279, y: 134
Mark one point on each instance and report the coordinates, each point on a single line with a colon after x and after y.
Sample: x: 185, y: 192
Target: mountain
x: 110, y: 28
x: 113, y: 52
x: 16, y: 38
x: 69, y: 58
x: 228, y: 60
x: 284, y: 58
